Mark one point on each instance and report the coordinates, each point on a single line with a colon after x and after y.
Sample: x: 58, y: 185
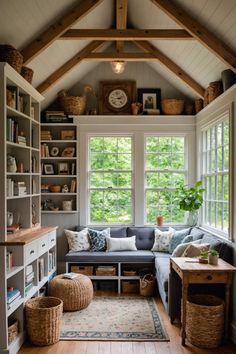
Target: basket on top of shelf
x: 12, y: 56
x: 74, y: 105
x: 172, y: 106
x: 27, y: 73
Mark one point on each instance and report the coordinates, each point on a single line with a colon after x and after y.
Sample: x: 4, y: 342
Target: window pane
x: 152, y: 162
x: 165, y: 180
x: 178, y: 145
x: 165, y: 161
x: 152, y: 179
x: 178, y: 161
x: 152, y: 144
x: 164, y: 144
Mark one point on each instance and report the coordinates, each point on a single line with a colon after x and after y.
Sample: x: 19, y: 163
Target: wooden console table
x: 192, y: 272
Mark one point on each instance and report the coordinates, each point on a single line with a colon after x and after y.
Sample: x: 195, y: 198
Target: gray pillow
x: 196, y: 233
x: 182, y: 247
x: 178, y: 238
x: 121, y: 244
x: 187, y: 239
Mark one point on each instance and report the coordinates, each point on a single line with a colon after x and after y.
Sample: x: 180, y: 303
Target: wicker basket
x: 214, y: 90
x: 206, y: 97
x: 27, y: 73
x: 105, y: 271
x: 172, y: 106
x: 43, y: 318
x: 189, y: 109
x: 12, y: 330
x: 147, y: 285
x: 12, y: 56
x: 54, y: 188
x: 198, y: 105
x: 205, y: 320
x: 130, y: 286
x: 129, y: 273
x: 86, y: 270
x: 74, y: 105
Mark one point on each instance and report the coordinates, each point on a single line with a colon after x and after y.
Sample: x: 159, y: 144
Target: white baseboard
x: 233, y: 331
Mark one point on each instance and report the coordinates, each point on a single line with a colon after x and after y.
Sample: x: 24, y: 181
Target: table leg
x: 184, y: 302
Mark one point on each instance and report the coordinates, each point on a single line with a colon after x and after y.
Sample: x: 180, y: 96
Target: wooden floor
x: 95, y: 347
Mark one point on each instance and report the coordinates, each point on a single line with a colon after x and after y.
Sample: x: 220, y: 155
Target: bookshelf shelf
x: 13, y: 271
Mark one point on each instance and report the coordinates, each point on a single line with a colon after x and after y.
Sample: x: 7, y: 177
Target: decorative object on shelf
x: 67, y: 205
x: 12, y: 329
x: 190, y: 199
x: 68, y: 152
x: 206, y: 97
x: 54, y: 188
x: 27, y: 73
x: 214, y: 90
x: 34, y: 215
x: 150, y: 98
x: 11, y: 164
x: 73, y: 186
x: 73, y: 105
x: 136, y: 106
x: 160, y: 220
x: 118, y: 66
x: 54, y: 151
x: 213, y: 257
x: 65, y: 189
x: 9, y: 218
x: 67, y: 135
x: 228, y: 79
x: 172, y: 106
x: 45, y: 188
x: 91, y: 100
x: 12, y: 56
x: 11, y: 97
x: 198, y: 105
x: 116, y: 97
x: 56, y: 117
x: 189, y: 109
x: 63, y: 168
x: 48, y: 169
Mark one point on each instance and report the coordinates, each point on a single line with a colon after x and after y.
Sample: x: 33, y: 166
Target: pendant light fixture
x: 118, y: 66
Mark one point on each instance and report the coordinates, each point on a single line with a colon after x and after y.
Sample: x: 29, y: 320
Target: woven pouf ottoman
x: 75, y: 293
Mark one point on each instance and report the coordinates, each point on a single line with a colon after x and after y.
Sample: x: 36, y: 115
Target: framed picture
x: 67, y: 135
x: 48, y: 169
x: 63, y: 168
x: 68, y: 152
x: 116, y: 97
x: 150, y: 100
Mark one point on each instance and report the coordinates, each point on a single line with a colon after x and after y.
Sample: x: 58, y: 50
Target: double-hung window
x: 215, y: 175
x: 164, y: 171
x: 110, y: 180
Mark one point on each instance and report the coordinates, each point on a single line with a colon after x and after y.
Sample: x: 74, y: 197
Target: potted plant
x: 190, y: 199
x: 213, y: 257
x: 203, y: 258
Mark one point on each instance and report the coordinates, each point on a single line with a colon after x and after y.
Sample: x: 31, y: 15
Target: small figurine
x: 65, y: 189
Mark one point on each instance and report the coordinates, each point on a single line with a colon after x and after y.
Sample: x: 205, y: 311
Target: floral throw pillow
x: 162, y: 240
x: 97, y: 239
x: 78, y: 241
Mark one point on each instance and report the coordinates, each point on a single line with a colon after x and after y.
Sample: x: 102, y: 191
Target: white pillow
x: 78, y: 240
x: 179, y: 250
x: 162, y: 240
x: 121, y: 244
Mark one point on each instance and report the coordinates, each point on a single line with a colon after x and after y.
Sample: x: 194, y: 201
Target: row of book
x: 29, y: 278
x: 41, y: 268
x: 13, y: 296
x: 44, y: 150
x: 16, y: 188
x: 46, y: 135
x: 51, y: 260
x: 13, y: 134
x: 9, y: 261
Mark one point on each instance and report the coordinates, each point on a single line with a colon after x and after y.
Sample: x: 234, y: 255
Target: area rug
x: 115, y: 319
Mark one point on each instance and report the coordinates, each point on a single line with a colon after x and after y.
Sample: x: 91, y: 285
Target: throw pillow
x: 187, y: 239
x: 78, y: 240
x: 121, y: 244
x: 182, y: 247
x: 196, y: 233
x: 162, y: 240
x: 97, y: 239
x: 195, y: 250
x: 178, y: 238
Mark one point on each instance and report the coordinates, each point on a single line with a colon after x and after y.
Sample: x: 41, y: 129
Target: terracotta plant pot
x: 160, y: 220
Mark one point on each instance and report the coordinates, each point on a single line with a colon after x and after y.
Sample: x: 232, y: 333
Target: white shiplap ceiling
x: 22, y: 21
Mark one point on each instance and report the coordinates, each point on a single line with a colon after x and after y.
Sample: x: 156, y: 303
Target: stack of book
x: 13, y: 296
x: 21, y: 139
x: 51, y: 260
x: 41, y: 268
x: 73, y: 186
x: 44, y: 151
x: 56, y: 117
x: 9, y: 260
x: 12, y: 130
x: 20, y: 188
x: 46, y: 135
x: 29, y: 278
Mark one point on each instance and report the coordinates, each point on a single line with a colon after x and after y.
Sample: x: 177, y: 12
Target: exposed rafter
x: 121, y: 20
x: 207, y: 38
x: 70, y: 64
x: 174, y: 68
x: 57, y: 29
x: 125, y: 35
x: 121, y: 56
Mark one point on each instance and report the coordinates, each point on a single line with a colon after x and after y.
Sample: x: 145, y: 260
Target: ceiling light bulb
x: 118, y: 66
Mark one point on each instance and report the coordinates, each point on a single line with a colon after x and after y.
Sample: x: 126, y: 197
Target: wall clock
x: 116, y: 97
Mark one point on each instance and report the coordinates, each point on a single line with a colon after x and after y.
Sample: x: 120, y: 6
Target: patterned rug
x: 115, y: 319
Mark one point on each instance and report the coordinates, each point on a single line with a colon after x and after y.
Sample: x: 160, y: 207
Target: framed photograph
x: 48, y: 169
x: 67, y: 135
x: 63, y: 168
x: 68, y: 152
x: 150, y: 100
x: 116, y: 97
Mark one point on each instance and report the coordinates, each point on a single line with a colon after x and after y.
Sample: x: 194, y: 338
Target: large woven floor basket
x: 205, y: 320
x: 43, y: 318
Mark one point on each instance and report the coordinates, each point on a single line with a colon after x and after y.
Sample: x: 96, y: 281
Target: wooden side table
x: 192, y: 272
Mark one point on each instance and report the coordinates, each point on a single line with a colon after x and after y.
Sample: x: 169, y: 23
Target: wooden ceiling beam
x: 69, y: 65
x: 121, y: 20
x: 125, y: 34
x: 57, y: 29
x: 174, y: 68
x: 200, y: 32
x: 121, y: 56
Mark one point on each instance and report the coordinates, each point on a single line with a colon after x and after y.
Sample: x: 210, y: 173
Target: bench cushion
x: 162, y: 271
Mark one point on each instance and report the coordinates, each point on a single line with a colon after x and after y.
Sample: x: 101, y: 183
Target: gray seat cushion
x: 144, y: 236
x: 109, y: 257
x: 162, y: 265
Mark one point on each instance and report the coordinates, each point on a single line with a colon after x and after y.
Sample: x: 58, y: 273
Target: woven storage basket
x: 43, y: 319
x: 130, y: 286
x: 129, y: 273
x: 205, y: 320
x: 172, y: 106
x: 147, y: 285
x: 76, y: 293
x: 74, y: 105
x: 189, y: 109
x: 206, y: 97
x: 86, y: 270
x: 198, y: 105
x: 104, y: 271
x: 12, y: 329
x: 214, y: 90
x: 12, y: 56
x: 27, y: 73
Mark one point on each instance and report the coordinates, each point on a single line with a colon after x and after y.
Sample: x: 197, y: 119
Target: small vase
x: 160, y: 220
x: 213, y: 260
x: 192, y: 218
